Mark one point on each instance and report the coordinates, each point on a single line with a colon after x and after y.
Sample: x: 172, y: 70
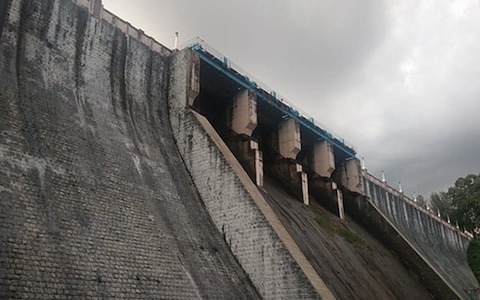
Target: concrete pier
x: 322, y: 159
x: 329, y: 194
x: 351, y: 176
x: 244, y: 113
x: 289, y: 143
x: 287, y: 168
x: 242, y: 121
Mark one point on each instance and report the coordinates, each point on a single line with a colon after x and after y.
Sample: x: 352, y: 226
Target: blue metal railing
x: 220, y: 62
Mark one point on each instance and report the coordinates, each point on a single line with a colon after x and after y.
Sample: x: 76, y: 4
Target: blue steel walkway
x: 218, y: 61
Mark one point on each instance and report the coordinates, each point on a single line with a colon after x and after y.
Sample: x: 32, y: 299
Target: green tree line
x: 461, y: 202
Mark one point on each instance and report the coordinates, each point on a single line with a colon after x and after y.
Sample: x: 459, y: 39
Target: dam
x: 129, y: 170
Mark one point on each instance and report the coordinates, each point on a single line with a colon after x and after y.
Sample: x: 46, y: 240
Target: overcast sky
x: 400, y: 80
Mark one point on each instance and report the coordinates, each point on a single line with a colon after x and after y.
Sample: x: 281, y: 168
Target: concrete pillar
x: 329, y: 195
x: 291, y: 174
x: 258, y: 163
x: 289, y: 139
x: 244, y: 112
x: 351, y: 176
x: 243, y: 122
x: 249, y: 155
x: 304, y: 179
x: 287, y: 169
x: 323, y: 159
x: 341, y: 210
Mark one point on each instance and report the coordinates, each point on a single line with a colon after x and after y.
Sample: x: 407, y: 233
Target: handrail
x: 197, y: 44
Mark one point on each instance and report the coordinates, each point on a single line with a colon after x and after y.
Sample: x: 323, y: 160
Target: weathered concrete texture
x: 444, y: 249
x: 321, y: 159
x: 358, y: 269
x: 379, y: 225
x: 351, y: 176
x: 95, y: 201
x: 246, y: 222
x: 289, y: 143
x: 244, y: 112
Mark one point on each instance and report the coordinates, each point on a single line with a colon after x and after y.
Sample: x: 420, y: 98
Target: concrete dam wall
x: 95, y: 201
x: 232, y: 199
x: 440, y: 244
x: 256, y: 123
x: 111, y: 186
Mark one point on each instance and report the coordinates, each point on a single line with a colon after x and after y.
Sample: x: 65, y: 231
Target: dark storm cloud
x: 399, y: 79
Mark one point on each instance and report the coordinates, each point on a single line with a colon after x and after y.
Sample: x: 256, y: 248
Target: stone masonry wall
x: 95, y: 201
x: 243, y: 223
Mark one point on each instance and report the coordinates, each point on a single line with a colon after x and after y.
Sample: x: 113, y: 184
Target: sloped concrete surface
x: 441, y: 246
x: 360, y: 268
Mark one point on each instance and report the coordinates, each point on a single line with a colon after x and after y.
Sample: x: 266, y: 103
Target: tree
x: 421, y: 201
x: 440, y: 202
x: 464, y: 197
x: 461, y: 202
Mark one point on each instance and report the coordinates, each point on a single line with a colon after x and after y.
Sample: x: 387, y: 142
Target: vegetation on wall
x: 347, y: 234
x: 325, y: 223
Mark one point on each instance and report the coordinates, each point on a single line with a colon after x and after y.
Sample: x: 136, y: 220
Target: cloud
x: 399, y: 79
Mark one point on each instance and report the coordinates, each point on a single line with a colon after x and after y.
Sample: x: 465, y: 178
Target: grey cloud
x: 398, y: 79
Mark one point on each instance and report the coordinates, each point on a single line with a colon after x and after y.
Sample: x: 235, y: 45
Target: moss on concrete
x: 350, y: 236
x: 325, y: 223
x: 347, y: 234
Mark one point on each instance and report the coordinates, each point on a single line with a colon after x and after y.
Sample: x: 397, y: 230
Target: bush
x: 473, y: 254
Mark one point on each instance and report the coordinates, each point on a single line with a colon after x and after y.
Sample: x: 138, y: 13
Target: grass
x: 473, y: 254
x: 346, y: 233
x: 350, y: 236
x: 325, y: 223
